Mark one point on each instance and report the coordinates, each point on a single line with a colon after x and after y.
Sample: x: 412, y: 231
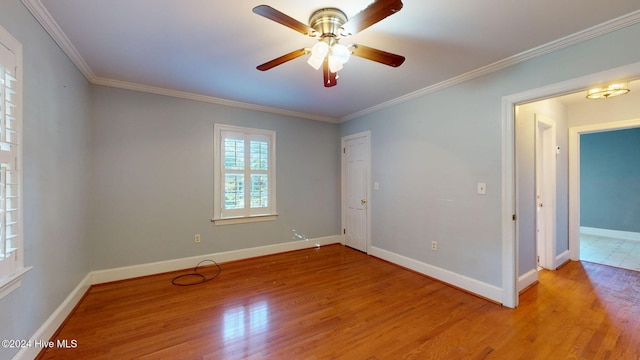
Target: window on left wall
x: 11, y: 245
x: 244, y: 175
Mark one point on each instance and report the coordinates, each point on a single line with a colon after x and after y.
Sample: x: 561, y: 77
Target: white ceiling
x: 209, y: 50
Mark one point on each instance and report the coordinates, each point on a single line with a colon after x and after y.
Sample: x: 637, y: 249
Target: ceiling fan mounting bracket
x: 327, y: 22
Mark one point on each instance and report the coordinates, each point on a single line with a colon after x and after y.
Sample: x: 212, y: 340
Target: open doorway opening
x: 607, y: 230
x: 604, y: 182
x: 541, y: 178
x: 511, y: 245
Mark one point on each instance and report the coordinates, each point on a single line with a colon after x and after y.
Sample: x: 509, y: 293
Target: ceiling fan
x: 329, y: 25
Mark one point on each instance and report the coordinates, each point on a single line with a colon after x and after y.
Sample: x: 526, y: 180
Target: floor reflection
x: 246, y: 322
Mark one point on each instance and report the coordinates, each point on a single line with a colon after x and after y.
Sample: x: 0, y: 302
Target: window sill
x: 243, y: 220
x: 10, y: 283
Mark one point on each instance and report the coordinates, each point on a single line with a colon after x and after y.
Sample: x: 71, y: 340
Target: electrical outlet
x: 196, y: 239
x: 434, y: 246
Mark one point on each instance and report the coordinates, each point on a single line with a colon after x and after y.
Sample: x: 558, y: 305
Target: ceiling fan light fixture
x: 315, y: 62
x: 319, y: 51
x: 608, y: 91
x: 341, y: 53
x: 329, y: 25
x: 335, y: 64
x: 338, y: 55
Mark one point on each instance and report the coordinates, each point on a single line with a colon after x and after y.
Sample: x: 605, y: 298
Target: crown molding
x: 43, y: 16
x: 208, y: 99
x: 46, y: 20
x: 587, y: 34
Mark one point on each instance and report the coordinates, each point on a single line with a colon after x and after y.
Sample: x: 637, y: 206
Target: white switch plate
x: 376, y: 185
x: 482, y: 188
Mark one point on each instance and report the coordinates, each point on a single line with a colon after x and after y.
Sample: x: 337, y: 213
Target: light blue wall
x: 610, y: 180
x: 437, y: 147
x: 56, y: 170
x: 114, y: 177
x: 151, y: 162
x: 526, y: 187
x: 153, y: 179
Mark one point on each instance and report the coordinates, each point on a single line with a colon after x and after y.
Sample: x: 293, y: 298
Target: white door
x: 355, y: 180
x: 545, y: 192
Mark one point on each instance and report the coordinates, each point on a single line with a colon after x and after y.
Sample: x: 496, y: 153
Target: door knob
x: 363, y: 201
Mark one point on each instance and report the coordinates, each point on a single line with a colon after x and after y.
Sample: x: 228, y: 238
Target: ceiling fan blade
x: 281, y: 18
x: 283, y: 59
x: 373, y: 13
x: 330, y: 78
x: 376, y: 55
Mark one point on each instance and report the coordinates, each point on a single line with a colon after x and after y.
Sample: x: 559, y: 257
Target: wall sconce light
x: 608, y: 91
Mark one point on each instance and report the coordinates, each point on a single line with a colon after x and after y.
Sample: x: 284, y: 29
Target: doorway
x: 535, y: 187
x: 356, y: 214
x: 510, y: 253
x: 602, y: 246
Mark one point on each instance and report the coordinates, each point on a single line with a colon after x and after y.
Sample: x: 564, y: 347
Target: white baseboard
x: 128, y: 272
x: 531, y: 276
x: 626, y: 235
x: 468, y: 284
x: 562, y: 258
x: 48, y: 329
x: 527, y: 279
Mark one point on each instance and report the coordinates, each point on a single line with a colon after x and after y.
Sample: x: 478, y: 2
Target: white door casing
x: 355, y: 186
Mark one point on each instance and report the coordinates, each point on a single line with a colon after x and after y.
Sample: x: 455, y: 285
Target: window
x: 11, y: 251
x: 244, y: 175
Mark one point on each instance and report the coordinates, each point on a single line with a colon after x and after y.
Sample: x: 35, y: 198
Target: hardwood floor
x: 338, y: 303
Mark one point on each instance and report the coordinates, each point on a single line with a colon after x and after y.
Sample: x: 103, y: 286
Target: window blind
x: 9, y: 177
x: 244, y: 173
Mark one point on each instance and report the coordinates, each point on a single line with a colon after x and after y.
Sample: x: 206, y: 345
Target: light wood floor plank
x: 338, y: 303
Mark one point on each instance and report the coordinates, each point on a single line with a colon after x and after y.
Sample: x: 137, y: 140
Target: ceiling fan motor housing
x: 328, y: 22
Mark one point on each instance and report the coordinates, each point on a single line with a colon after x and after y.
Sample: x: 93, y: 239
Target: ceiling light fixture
x: 608, y: 91
x: 337, y: 54
x: 328, y: 26
x: 318, y: 52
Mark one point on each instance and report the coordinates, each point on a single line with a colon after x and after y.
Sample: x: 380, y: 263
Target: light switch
x: 376, y: 186
x: 482, y: 188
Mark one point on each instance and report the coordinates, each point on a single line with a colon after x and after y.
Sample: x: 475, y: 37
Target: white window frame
x: 245, y: 215
x: 13, y: 270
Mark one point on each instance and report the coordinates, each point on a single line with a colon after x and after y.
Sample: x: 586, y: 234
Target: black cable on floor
x: 196, y: 277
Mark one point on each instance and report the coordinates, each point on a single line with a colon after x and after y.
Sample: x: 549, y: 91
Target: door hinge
x: 344, y: 150
x: 344, y: 231
x: 514, y: 217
